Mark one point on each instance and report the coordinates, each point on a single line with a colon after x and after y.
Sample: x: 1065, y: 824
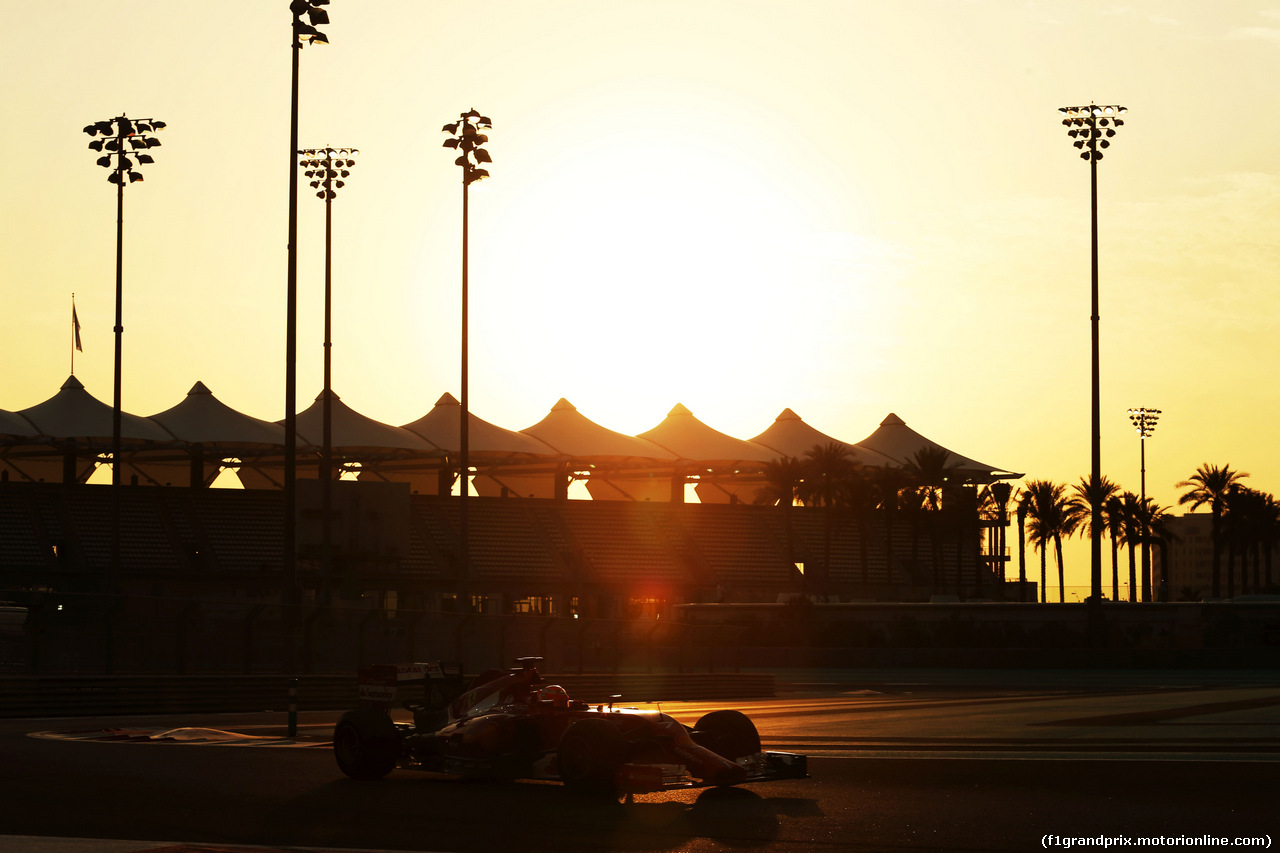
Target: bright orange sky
x: 845, y: 208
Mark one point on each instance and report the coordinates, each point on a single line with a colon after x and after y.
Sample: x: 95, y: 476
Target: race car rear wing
x: 415, y: 686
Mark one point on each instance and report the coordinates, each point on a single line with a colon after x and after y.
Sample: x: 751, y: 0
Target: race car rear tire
x: 729, y: 734
x: 590, y: 753
x: 366, y: 744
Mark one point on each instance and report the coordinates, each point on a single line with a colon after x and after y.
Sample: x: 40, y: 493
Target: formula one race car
x: 513, y: 725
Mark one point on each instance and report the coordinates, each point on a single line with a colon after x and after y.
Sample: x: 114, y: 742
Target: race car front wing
x: 760, y: 767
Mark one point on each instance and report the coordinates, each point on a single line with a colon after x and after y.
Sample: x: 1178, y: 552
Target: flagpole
x: 75, y: 334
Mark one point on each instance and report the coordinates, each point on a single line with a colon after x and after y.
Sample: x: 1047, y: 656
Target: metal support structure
x: 119, y: 137
x: 303, y: 33
x: 466, y: 138
x: 1144, y: 421
x: 328, y: 169
x: 1091, y: 127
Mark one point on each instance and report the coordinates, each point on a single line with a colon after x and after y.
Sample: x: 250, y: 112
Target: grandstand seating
x: 228, y: 541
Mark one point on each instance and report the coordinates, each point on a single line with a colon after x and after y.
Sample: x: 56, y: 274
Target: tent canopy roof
x: 442, y: 427
x: 352, y: 431
x: 789, y: 435
x: 14, y: 425
x: 74, y: 413
x: 201, y: 418
x: 900, y: 443
x: 689, y: 438
x: 571, y: 433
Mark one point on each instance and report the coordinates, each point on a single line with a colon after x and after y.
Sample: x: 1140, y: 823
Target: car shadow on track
x: 445, y: 813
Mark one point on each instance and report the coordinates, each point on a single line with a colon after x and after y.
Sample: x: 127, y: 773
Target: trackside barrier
x: 100, y: 695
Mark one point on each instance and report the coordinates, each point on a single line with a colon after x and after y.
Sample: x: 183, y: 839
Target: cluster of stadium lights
x: 1092, y: 127
x: 327, y: 167
x: 1144, y: 420
x: 465, y: 136
x: 307, y: 33
x: 112, y: 134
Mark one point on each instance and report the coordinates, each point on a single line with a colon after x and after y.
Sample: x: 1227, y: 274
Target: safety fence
x: 88, y: 695
x: 261, y: 639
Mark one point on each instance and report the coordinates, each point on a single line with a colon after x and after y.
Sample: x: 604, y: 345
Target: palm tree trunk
x: 1062, y: 584
x: 1022, y: 556
x: 1115, y: 569
x: 1231, y: 567
x: 1133, y: 574
x: 1146, y: 570
x: 1215, y: 534
x: 1044, y: 552
x: 1257, y: 567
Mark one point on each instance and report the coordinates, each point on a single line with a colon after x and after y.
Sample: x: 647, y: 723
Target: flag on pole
x: 75, y: 325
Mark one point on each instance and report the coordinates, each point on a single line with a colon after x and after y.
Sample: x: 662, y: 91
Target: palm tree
x: 1129, y: 512
x: 1113, y: 514
x: 1158, y: 534
x: 1269, y: 523
x: 856, y: 496
x: 782, y: 482
x: 783, y: 478
x: 1150, y: 522
x: 1051, y: 516
x: 930, y: 475
x: 887, y: 484
x: 826, y: 467
x: 1082, y: 502
x: 1210, y: 485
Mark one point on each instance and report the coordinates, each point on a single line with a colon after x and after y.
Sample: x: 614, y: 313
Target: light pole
x: 1091, y: 128
x: 328, y: 168
x: 466, y: 138
x: 1144, y: 421
x: 119, y: 138
x: 303, y: 33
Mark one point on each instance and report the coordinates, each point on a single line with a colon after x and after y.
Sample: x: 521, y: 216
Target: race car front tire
x: 729, y: 734
x: 366, y: 744
x: 590, y: 753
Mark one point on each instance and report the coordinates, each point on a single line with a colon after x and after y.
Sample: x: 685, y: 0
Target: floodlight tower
x: 1091, y: 129
x: 303, y: 33
x: 1144, y: 421
x: 119, y: 138
x: 328, y: 168
x: 466, y: 138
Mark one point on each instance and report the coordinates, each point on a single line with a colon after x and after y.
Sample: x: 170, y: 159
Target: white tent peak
x: 572, y: 433
x: 201, y: 418
x: 76, y: 414
x: 689, y: 438
x: 442, y: 428
x: 789, y: 435
x: 352, y: 430
x: 901, y: 444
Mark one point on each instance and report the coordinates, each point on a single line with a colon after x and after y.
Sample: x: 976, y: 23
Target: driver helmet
x: 555, y: 694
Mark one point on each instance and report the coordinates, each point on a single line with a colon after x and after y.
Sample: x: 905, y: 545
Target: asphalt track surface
x: 899, y: 762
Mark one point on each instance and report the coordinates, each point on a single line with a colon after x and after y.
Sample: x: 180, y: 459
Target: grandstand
x: 609, y: 559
